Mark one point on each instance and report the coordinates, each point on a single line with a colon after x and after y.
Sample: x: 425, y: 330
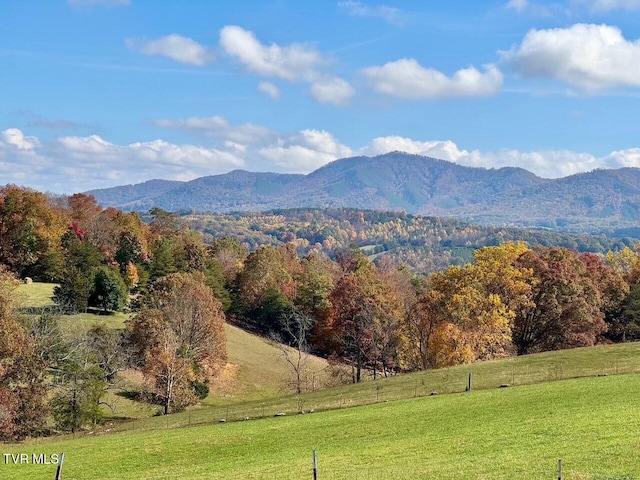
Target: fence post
x: 59, y: 469
x: 469, y: 384
x: 315, y: 465
x: 559, y: 469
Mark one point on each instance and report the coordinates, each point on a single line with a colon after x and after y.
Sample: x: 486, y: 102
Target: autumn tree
x: 364, y: 316
x: 469, y: 312
x: 569, y: 295
x: 22, y: 383
x: 230, y: 255
x: 30, y: 230
x: 178, y: 334
x: 266, y: 287
x: 418, y: 329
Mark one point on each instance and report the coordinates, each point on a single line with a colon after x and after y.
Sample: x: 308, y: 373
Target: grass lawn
x: 36, y: 295
x: 257, y: 370
x: 504, y: 433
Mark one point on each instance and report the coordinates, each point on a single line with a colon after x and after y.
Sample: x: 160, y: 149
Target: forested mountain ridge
x: 601, y: 200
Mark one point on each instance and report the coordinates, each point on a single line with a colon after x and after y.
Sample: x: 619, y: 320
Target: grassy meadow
x: 504, y: 433
x: 581, y: 406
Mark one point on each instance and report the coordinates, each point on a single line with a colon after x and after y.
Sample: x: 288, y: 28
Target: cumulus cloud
x: 590, y: 57
x: 444, y: 150
x: 269, y: 89
x: 298, y: 152
x: 14, y: 138
x: 176, y: 47
x: 306, y: 151
x: 72, y: 164
x: 332, y: 90
x: 548, y: 163
x: 359, y: 9
x: 406, y: 78
x: 295, y: 63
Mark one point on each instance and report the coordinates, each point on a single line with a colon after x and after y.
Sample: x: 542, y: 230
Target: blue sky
x: 98, y: 93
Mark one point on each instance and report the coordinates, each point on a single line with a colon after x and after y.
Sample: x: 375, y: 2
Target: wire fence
x: 429, y: 383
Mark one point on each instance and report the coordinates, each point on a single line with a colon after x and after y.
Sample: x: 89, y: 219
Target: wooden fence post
x: 315, y: 465
x: 559, y: 469
x: 59, y: 469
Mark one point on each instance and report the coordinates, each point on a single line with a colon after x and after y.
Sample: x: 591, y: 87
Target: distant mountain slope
x: 133, y: 197
x: 594, y: 201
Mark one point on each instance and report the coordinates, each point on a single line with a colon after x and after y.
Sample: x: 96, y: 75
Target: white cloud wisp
x: 406, y: 78
x: 176, y: 47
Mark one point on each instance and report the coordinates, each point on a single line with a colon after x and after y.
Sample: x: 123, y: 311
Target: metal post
x: 469, y: 386
x: 315, y: 465
x: 559, y: 469
x: 59, y: 469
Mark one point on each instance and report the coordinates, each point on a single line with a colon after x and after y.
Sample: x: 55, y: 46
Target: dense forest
x: 180, y: 286
x: 425, y: 244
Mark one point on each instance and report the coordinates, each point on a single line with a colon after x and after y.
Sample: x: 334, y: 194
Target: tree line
x: 376, y: 319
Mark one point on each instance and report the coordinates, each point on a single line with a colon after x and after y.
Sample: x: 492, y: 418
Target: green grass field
x: 581, y: 406
x: 510, y: 433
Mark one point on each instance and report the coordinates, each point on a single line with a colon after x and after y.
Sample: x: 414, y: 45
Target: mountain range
x: 597, y: 201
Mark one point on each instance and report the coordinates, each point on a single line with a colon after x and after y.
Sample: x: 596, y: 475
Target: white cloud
x: 299, y: 152
x: 609, y: 5
x: 406, y: 78
x: 359, y: 9
x: 14, y: 138
x: 332, y: 90
x: 306, y: 151
x: 295, y: 63
x: 548, y: 163
x: 74, y: 164
x: 623, y: 158
x: 444, y: 150
x: 590, y: 57
x: 269, y: 89
x: 176, y: 47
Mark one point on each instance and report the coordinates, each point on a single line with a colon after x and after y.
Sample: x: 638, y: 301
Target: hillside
x: 255, y: 370
x: 598, y: 201
x: 426, y: 244
x: 503, y: 433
